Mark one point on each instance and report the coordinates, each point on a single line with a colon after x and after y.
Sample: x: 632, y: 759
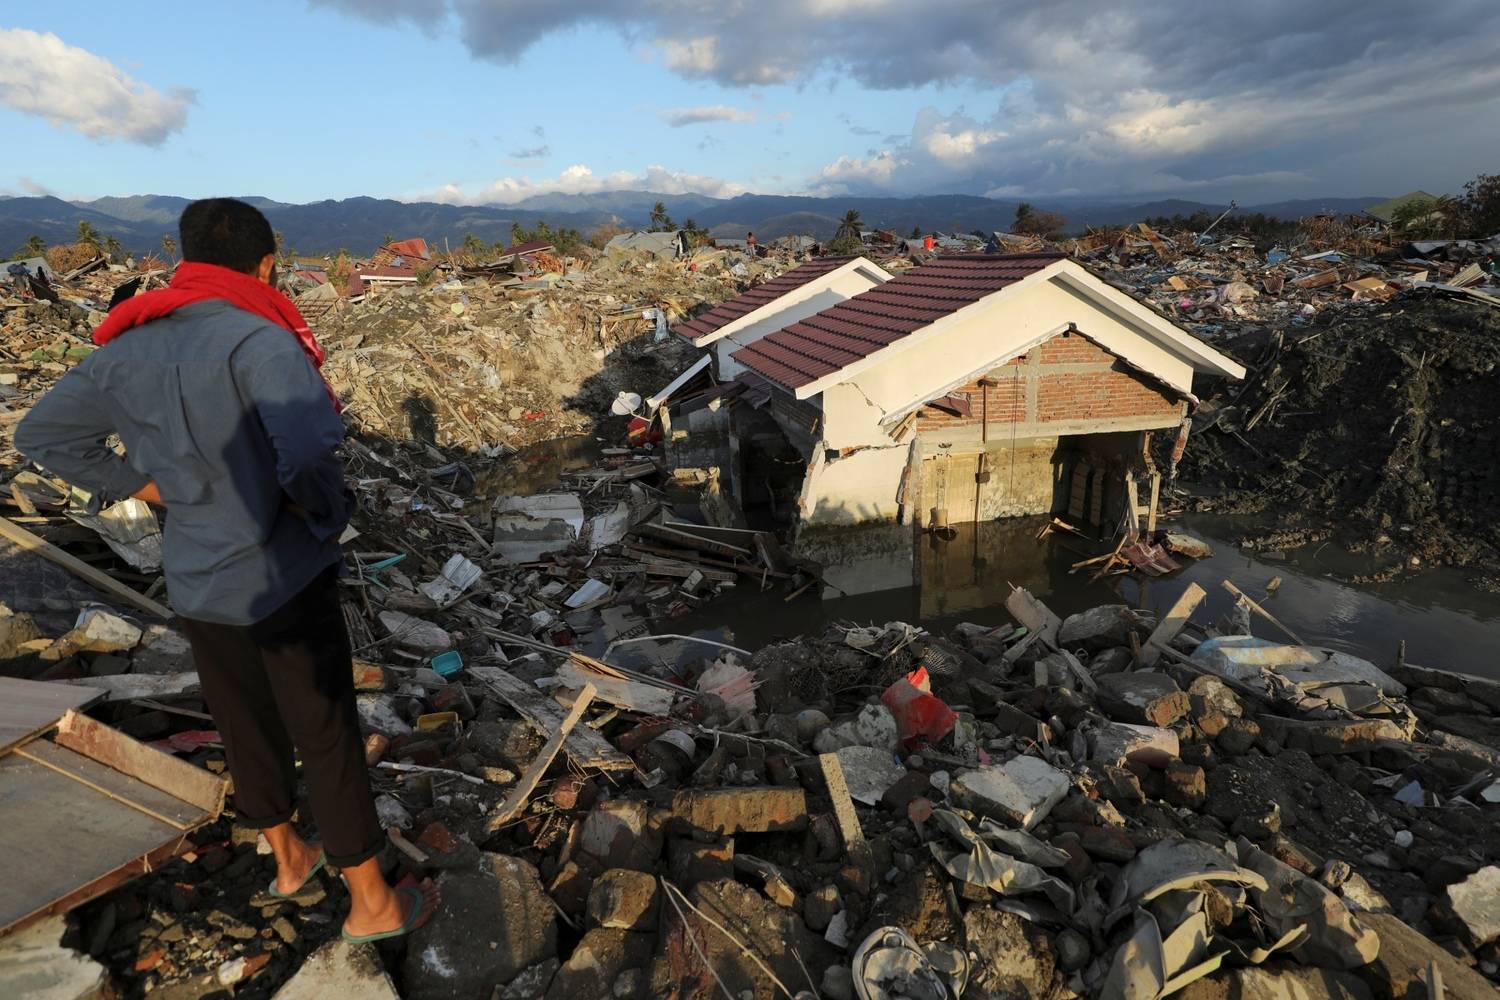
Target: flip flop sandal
x: 407, y: 926
x: 311, y: 872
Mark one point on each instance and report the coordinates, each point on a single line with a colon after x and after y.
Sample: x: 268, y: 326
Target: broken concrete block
x: 1144, y: 697
x: 1476, y: 903
x: 531, y: 984
x: 620, y: 834
x: 624, y: 900
x: 1186, y: 784
x: 1323, y: 736
x: 494, y: 922
x: 1023, y: 790
x: 1238, y: 736
x: 340, y: 969
x: 33, y: 963
x: 416, y: 634
x: 874, y: 726
x: 378, y: 713
x: 1117, y: 742
x: 1100, y: 628
x: 597, y: 961
x: 742, y: 810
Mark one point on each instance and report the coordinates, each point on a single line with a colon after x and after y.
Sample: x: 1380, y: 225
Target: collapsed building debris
x: 1112, y: 803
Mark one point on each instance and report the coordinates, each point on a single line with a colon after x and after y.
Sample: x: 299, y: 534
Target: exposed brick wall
x: 1097, y: 395
x: 1067, y: 378
x: 1073, y: 349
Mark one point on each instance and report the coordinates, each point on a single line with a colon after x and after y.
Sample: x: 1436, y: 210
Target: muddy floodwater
x: 1445, y: 621
x: 883, y: 573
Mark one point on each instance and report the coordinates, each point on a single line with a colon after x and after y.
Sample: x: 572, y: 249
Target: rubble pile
x: 1104, y: 805
x: 1382, y: 423
x: 473, y: 364
x: 1368, y: 403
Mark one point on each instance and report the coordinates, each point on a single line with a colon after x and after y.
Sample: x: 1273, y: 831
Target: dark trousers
x: 288, y: 681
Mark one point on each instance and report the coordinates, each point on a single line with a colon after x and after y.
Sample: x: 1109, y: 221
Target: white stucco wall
x: 857, y: 487
x: 977, y: 342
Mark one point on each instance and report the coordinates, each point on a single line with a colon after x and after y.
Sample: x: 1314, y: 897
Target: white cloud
x: 42, y: 75
x: 678, y: 117
x: 1118, y: 99
x: 580, y: 179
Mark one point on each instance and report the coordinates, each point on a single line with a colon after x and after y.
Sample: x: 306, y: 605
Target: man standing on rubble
x: 212, y: 386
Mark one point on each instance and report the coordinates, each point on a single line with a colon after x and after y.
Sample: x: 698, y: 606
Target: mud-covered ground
x: 1379, y: 428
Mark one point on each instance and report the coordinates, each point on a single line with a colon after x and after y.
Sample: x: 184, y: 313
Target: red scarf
x: 196, y: 282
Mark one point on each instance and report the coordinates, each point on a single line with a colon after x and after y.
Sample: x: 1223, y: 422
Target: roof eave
x: 1200, y: 355
x: 881, y: 276
x: 934, y: 329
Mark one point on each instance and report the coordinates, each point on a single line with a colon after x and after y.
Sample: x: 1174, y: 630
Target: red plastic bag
x: 919, y: 713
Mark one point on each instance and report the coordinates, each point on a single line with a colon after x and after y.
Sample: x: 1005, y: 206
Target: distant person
x: 750, y: 243
x: 212, y: 385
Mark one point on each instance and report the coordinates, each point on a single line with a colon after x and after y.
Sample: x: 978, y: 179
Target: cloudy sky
x: 495, y: 100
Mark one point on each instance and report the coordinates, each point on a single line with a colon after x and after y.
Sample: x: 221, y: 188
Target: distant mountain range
x: 359, y: 225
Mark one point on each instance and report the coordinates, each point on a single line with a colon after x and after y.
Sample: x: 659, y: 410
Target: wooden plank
x: 30, y: 708
x: 663, y: 566
x: 1166, y: 630
x: 115, y: 785
x: 148, y: 764
x: 585, y: 747
x: 1240, y: 594
x: 1155, y: 499
x: 621, y: 691
x: 844, y: 814
x: 61, y: 837
x: 31, y: 543
x: 516, y: 800
x: 1132, y: 507
x: 683, y: 539
x: 128, y: 687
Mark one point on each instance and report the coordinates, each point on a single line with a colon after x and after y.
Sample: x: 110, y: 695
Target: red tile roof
x: 872, y: 320
x: 411, y: 250
x: 753, y: 298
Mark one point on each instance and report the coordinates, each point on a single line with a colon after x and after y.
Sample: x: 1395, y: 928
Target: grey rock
x: 494, y: 922
x: 340, y: 969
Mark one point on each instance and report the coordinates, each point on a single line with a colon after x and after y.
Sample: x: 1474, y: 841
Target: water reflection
x: 1443, y: 619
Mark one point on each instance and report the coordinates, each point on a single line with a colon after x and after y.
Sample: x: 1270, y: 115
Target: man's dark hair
x: 226, y: 232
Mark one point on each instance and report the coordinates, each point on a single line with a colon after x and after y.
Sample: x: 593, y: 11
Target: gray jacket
x: 224, y: 411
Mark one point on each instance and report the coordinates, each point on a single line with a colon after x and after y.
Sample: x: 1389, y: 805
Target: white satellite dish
x: 625, y: 404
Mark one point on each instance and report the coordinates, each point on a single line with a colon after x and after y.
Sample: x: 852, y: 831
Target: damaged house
x: 970, y: 388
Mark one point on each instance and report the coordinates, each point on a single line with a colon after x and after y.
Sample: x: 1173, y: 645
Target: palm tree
x: 660, y: 221
x: 169, y: 247
x: 849, y: 227
x: 89, y: 236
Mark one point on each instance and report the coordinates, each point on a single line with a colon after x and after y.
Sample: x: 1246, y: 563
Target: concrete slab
x: 340, y: 969
x: 35, y: 965
x: 1023, y: 790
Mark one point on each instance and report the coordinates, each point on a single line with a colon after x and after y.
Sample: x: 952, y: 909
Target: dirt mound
x: 1382, y: 424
